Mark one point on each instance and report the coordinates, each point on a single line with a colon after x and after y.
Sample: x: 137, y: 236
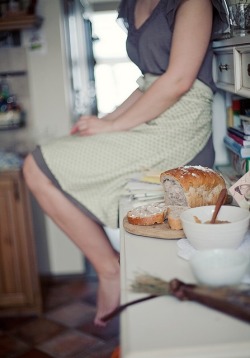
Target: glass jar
x: 239, y: 14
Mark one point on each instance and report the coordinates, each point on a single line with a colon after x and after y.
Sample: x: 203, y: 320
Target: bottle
x: 14, y: 6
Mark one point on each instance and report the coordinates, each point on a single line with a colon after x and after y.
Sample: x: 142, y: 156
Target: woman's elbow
x: 183, y: 85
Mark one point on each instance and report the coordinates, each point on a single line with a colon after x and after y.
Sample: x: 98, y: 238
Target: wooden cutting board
x: 159, y: 231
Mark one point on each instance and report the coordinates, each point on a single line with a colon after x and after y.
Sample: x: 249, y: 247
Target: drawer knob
x: 223, y: 67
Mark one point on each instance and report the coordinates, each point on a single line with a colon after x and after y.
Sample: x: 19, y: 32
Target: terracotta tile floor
x: 65, y: 328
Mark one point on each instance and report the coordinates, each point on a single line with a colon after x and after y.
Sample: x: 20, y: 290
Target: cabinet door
x: 242, y: 70
x: 224, y: 69
x: 19, y: 288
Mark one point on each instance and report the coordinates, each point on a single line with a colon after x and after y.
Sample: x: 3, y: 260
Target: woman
x: 166, y: 122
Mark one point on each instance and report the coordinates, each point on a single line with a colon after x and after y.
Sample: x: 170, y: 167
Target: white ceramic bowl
x: 214, y: 236
x: 219, y: 267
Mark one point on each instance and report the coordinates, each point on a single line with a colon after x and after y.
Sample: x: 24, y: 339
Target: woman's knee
x: 30, y: 172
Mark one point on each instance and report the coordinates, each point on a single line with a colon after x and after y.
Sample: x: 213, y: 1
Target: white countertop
x: 165, y: 326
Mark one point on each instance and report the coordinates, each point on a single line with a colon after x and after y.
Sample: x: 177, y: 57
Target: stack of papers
x: 151, y: 177
x: 145, y: 188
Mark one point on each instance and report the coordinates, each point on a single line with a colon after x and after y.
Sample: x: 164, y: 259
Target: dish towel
x: 186, y: 250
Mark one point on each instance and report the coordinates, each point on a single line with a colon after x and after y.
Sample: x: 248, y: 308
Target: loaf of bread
x: 191, y: 186
x: 173, y: 216
x: 150, y: 214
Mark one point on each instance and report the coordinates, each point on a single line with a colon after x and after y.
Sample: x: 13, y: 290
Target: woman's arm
x: 89, y: 125
x: 192, y: 32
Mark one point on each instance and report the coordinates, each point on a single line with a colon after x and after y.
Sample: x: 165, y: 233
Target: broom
x: 232, y: 300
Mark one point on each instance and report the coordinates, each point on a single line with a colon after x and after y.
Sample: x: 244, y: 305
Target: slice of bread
x: 150, y: 214
x: 173, y: 216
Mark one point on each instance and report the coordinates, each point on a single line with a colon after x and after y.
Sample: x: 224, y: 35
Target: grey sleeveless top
x: 149, y: 46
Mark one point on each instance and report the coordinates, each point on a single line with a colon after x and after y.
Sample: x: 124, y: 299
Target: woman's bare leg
x: 85, y: 233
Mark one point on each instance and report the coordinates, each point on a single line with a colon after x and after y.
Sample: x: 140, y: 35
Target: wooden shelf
x: 19, y: 22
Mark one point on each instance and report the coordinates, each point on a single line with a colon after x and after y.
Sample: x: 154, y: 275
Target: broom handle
x: 121, y: 308
x: 227, y: 300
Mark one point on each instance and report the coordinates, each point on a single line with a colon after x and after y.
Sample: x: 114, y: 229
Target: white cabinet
x: 232, y: 65
x: 242, y: 70
x: 224, y: 73
x: 165, y: 327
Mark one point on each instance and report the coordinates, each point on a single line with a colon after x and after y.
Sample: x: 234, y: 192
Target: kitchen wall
x: 43, y: 92
x: 220, y: 127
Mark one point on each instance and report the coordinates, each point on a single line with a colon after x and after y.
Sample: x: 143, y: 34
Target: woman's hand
x: 91, y: 125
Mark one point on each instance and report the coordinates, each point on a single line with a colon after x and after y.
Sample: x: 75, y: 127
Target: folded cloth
x: 186, y: 250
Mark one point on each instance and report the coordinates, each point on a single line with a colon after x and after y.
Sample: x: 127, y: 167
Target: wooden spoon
x: 220, y: 202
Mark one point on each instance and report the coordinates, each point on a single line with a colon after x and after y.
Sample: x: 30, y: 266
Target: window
x: 115, y: 74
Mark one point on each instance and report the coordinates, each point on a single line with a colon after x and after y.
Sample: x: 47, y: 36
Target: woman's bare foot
x: 108, y: 297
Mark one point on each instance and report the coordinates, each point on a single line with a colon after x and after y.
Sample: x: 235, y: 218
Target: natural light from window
x: 115, y: 74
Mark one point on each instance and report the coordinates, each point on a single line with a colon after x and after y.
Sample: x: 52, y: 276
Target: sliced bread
x: 150, y: 214
x: 173, y: 216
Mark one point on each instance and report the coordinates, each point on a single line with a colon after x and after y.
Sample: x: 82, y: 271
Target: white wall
x: 219, y: 128
x: 48, y: 84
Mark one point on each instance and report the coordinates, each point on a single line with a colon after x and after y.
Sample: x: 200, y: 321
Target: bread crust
x: 198, y: 185
x: 194, y: 176
x: 150, y: 214
x: 148, y: 220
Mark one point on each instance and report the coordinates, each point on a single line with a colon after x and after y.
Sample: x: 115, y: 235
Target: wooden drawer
x: 242, y: 70
x: 224, y: 69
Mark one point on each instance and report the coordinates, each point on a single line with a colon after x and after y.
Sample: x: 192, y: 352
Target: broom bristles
x: 150, y: 284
